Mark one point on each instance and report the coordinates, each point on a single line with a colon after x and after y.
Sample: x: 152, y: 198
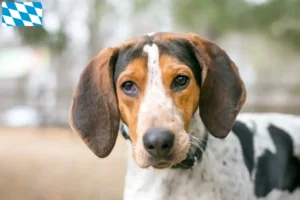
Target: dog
x: 176, y: 99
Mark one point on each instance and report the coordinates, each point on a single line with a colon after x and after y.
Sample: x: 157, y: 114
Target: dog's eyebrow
x: 184, y: 52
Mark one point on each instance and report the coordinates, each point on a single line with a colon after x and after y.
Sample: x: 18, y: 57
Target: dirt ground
x: 54, y: 164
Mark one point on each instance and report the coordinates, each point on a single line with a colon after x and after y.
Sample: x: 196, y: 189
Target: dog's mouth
x: 162, y: 165
x: 192, y: 158
x: 194, y: 155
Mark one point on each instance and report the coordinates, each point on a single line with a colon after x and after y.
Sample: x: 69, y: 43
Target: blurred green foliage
x: 279, y: 19
x: 39, y: 36
x: 140, y: 5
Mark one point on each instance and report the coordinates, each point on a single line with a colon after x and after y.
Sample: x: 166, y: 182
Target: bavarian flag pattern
x: 22, y: 13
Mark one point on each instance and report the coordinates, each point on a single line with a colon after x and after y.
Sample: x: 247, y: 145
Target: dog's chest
x: 220, y: 178
x: 166, y: 184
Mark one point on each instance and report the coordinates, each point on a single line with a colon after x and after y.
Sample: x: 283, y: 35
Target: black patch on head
x: 246, y: 138
x: 280, y: 170
x: 126, y: 56
x: 184, y: 51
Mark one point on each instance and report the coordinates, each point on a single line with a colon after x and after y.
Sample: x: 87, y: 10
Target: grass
x: 54, y: 164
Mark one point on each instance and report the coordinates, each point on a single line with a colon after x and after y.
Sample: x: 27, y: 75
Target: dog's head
x: 155, y: 84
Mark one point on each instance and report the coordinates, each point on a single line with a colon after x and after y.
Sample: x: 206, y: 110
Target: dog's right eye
x: 130, y: 88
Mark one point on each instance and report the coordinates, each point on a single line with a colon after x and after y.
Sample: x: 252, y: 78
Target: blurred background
x: 39, y: 66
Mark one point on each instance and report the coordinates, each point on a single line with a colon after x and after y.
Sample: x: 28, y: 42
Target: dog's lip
x: 162, y: 165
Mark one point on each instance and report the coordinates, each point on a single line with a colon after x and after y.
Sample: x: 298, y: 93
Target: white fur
x: 210, y: 179
x: 155, y: 96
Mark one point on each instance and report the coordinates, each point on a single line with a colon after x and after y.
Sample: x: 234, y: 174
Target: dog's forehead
x: 174, y: 45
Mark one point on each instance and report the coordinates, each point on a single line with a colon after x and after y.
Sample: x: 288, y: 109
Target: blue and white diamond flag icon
x: 22, y: 13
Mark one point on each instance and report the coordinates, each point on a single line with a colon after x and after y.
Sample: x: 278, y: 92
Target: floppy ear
x: 222, y: 92
x: 94, y: 111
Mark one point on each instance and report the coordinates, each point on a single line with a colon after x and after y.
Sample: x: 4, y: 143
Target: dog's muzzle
x: 193, y: 157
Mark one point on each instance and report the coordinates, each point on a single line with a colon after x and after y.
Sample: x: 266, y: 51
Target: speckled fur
x: 222, y: 173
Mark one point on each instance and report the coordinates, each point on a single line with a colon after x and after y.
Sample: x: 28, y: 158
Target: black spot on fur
x: 246, y: 138
x: 280, y: 170
x: 124, y: 133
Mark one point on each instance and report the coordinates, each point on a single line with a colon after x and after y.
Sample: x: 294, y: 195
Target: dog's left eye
x: 180, y: 82
x: 130, y: 88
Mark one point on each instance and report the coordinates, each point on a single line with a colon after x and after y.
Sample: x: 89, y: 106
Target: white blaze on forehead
x: 155, y: 90
x: 155, y: 103
x: 158, y: 110
x: 153, y: 58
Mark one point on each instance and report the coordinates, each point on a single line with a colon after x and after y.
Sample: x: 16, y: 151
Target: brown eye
x: 180, y: 82
x: 130, y: 88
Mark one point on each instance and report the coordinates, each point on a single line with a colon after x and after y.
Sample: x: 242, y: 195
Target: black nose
x: 158, y: 141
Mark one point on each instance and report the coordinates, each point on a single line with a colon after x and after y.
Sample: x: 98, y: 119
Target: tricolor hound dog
x: 177, y: 97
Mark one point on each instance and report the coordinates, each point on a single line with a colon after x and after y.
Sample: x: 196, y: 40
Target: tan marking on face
x: 136, y: 71
x: 157, y: 105
x: 186, y: 100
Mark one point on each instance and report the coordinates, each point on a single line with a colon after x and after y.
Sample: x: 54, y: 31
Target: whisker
x: 192, y: 137
x: 198, y: 143
x: 182, y: 165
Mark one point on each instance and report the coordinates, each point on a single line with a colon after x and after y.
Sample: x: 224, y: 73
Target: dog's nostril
x: 150, y: 147
x: 165, y: 146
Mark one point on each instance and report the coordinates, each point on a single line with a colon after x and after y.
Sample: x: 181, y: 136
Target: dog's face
x: 155, y: 84
x: 158, y: 93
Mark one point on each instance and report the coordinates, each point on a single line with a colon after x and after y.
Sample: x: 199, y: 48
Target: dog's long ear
x: 223, y: 92
x: 94, y: 111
